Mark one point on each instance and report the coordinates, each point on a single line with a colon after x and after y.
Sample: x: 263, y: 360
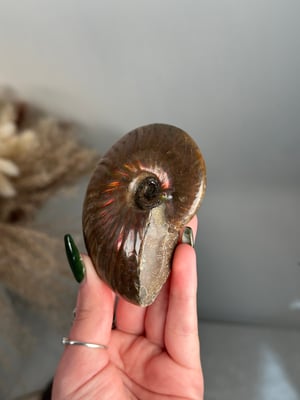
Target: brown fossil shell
x: 142, y: 192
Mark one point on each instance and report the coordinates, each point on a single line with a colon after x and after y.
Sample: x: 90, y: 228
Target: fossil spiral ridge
x: 142, y: 192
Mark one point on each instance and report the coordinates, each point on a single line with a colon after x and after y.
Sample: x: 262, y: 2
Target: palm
x: 148, y: 372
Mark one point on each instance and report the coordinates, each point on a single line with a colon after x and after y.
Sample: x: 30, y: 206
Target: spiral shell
x: 142, y: 192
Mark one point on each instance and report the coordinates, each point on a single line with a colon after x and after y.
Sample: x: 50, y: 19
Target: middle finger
x: 130, y: 318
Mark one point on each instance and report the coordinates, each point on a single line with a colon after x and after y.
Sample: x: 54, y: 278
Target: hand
x: 152, y: 354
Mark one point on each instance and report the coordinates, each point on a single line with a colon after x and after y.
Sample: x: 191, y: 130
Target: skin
x: 152, y: 354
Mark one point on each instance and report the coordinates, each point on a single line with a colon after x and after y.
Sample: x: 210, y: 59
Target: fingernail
x: 74, y: 258
x: 187, y: 236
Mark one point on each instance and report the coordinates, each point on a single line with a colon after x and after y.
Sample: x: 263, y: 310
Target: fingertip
x: 74, y: 258
x: 194, y: 224
x: 90, y: 272
x: 188, y: 232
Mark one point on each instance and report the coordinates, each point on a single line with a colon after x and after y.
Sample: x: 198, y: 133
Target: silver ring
x: 67, y: 341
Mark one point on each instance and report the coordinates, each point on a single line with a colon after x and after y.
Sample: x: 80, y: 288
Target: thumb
x: 94, y: 308
x: 94, y: 315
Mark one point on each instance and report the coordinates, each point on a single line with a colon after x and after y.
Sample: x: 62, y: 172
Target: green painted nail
x: 188, y: 237
x: 74, y: 258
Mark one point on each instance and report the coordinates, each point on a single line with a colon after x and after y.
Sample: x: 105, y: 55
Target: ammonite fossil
x: 142, y: 193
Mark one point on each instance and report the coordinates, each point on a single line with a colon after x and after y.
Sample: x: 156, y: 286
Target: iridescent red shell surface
x: 143, y: 191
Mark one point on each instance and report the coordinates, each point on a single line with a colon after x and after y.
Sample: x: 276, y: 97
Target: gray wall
x: 225, y: 71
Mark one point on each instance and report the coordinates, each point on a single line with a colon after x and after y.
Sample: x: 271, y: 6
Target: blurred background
x: 227, y: 72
